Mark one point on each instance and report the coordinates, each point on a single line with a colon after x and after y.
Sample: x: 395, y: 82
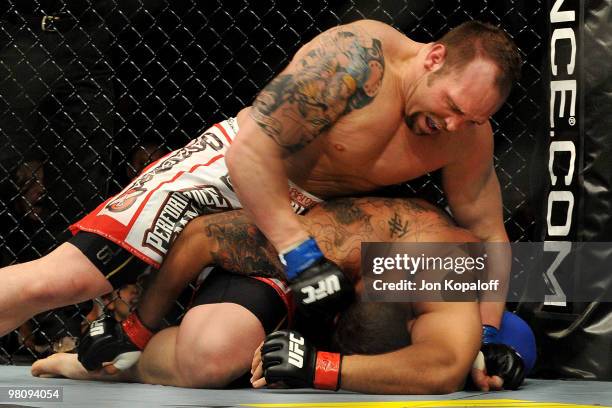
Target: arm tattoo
x: 339, y: 226
x: 242, y: 248
x: 342, y: 73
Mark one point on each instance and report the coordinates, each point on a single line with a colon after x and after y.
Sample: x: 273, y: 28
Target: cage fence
x: 92, y: 91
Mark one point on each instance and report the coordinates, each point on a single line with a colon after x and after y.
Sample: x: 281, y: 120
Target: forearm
x: 417, y: 369
x: 229, y: 240
x: 474, y: 196
x: 499, y: 265
x: 232, y: 241
x: 491, y: 313
x: 189, y: 254
x: 259, y: 178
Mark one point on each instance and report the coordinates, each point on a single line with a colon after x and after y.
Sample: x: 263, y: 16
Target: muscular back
x: 339, y: 226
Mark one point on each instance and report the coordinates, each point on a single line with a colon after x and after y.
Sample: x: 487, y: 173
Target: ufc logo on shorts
x: 325, y: 287
x: 296, y: 354
x: 105, y: 255
x: 96, y: 328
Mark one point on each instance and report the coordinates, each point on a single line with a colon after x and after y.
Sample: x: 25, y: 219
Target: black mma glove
x: 503, y: 361
x: 288, y: 358
x: 509, y: 352
x: 110, y: 341
x: 320, y: 289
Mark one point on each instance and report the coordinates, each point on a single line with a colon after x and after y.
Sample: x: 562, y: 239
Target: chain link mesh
x: 86, y: 100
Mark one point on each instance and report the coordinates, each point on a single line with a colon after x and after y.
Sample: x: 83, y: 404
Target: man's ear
x: 435, y: 57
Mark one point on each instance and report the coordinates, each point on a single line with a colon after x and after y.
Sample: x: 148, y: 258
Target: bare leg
x: 204, y: 352
x: 215, y: 344
x: 63, y: 277
x: 157, y: 364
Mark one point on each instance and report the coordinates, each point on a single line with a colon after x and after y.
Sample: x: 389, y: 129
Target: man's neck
x: 412, y: 71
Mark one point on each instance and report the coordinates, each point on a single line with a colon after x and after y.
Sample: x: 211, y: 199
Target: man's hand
x: 320, y: 289
x: 286, y: 358
x: 480, y: 378
x: 109, y: 343
x: 497, y: 367
x: 506, y: 355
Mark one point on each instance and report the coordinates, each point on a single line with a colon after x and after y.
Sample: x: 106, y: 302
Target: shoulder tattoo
x: 341, y: 73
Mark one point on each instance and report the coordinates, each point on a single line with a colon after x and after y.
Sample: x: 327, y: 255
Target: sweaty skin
x: 437, y: 361
x: 233, y: 242
x: 360, y: 107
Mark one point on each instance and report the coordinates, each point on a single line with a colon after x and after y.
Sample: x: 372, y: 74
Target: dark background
x: 175, y: 68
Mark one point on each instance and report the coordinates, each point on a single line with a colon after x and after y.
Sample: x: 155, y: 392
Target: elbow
x: 450, y: 376
x: 245, y: 152
x: 444, y: 384
x: 441, y: 384
x: 234, y: 155
x: 238, y: 158
x: 450, y: 383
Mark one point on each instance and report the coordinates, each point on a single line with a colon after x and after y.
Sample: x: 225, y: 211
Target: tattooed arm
x: 339, y: 226
x: 339, y: 71
x: 232, y: 241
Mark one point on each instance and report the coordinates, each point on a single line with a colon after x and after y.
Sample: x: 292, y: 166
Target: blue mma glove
x: 300, y: 258
x: 489, y: 334
x: 320, y: 289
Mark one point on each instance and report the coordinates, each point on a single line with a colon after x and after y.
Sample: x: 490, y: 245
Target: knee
x: 36, y: 291
x: 48, y: 294
x: 206, y: 366
x: 208, y: 359
x: 42, y: 291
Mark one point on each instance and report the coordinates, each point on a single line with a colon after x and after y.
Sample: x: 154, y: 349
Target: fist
x: 497, y: 367
x: 289, y: 359
x: 109, y: 342
x: 322, y: 290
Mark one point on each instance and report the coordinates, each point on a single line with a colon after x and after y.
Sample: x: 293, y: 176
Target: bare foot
x: 61, y: 365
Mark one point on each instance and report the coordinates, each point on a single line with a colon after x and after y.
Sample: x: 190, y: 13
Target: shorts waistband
x: 302, y: 197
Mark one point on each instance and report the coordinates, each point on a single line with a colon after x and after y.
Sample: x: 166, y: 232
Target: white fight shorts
x: 147, y: 215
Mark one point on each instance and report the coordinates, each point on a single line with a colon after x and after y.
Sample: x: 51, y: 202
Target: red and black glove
x: 289, y: 359
x: 108, y: 341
